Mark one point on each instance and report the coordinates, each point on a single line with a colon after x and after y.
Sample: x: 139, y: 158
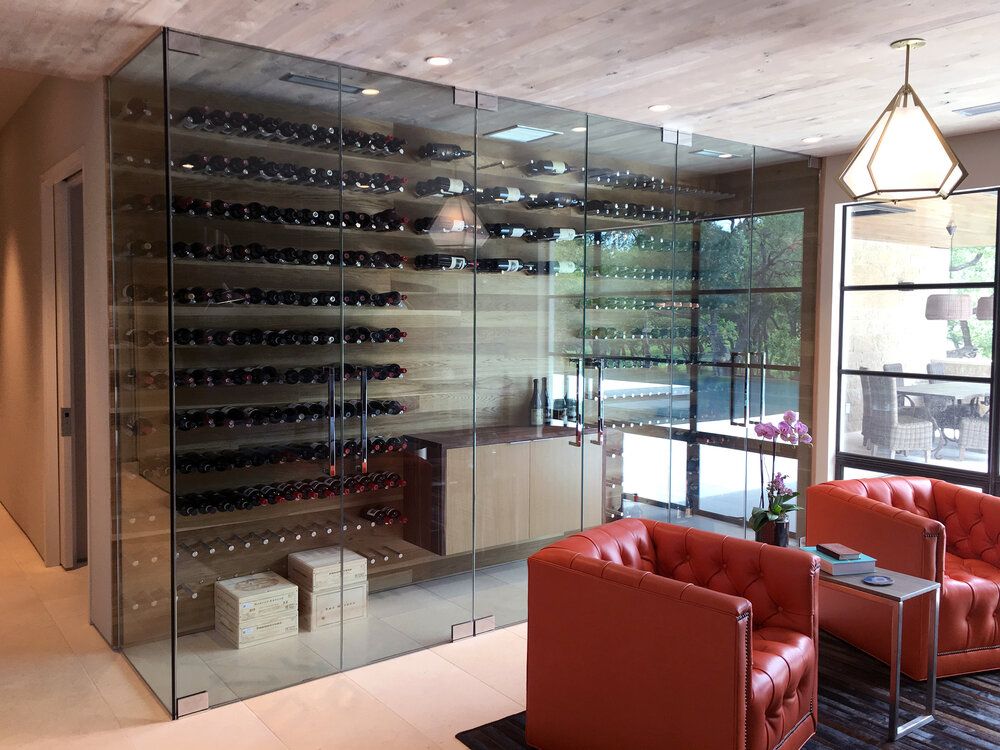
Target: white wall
x: 60, y: 118
x: 980, y: 153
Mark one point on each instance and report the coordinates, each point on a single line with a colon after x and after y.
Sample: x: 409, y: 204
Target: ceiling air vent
x: 981, y: 109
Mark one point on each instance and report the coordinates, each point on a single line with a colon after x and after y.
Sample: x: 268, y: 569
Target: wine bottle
x: 443, y: 152
x: 535, y: 167
x: 537, y: 407
x: 551, y: 234
x: 437, y: 262
x: 554, y: 200
x: 501, y: 194
x: 546, y: 402
x: 442, y: 187
x: 499, y: 265
x: 503, y: 231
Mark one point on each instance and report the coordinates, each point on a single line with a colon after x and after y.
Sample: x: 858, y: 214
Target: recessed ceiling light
x: 579, y: 129
x: 370, y: 92
x: 522, y: 133
x: 659, y: 107
x: 812, y: 139
x: 713, y: 153
x: 438, y: 60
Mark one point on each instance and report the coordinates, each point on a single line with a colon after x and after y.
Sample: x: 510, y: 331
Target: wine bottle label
x: 513, y: 195
x: 457, y: 225
x: 564, y: 266
x: 558, y: 167
x: 512, y: 264
x: 456, y: 187
x: 537, y: 417
x: 566, y: 234
x: 517, y: 231
x: 457, y: 262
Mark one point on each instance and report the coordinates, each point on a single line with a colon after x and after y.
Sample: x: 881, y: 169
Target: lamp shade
x: 984, y: 308
x: 948, y: 307
x: 903, y: 156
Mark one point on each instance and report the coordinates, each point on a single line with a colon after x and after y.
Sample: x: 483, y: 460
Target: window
x: 916, y: 339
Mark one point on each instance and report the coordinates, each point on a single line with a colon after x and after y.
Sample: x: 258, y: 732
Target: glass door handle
x: 331, y: 423
x: 599, y: 366
x: 364, y: 420
x: 761, y: 358
x: 578, y: 427
x: 736, y: 359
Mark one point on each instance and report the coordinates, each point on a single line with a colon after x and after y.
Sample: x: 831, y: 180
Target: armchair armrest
x: 600, y: 616
x: 897, y: 539
x: 971, y: 520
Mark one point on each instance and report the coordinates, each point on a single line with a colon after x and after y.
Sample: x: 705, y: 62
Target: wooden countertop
x: 462, y: 438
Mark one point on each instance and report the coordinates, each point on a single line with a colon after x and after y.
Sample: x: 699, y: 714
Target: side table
x: 903, y: 588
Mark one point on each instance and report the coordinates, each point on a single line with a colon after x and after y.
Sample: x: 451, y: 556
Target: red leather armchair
x: 927, y: 528
x: 644, y: 634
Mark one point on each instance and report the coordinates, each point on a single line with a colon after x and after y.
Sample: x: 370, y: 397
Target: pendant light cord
x: 906, y: 77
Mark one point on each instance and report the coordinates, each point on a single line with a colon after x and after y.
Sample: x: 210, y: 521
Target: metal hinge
x: 186, y: 43
x: 192, y: 704
x: 462, y: 630
x: 484, y: 624
x: 65, y: 422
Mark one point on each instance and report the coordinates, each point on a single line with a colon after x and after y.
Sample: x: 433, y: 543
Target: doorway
x: 71, y: 370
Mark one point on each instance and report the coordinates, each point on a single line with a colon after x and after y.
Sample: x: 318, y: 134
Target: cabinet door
x: 555, y: 480
x: 501, y: 498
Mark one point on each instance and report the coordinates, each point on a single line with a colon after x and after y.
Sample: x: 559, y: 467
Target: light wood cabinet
x: 556, y: 478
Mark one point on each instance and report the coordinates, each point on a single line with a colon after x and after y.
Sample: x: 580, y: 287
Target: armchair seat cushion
x: 779, y: 688
x: 970, y: 605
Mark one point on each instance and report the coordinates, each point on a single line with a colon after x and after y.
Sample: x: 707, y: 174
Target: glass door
x: 537, y: 476
x: 409, y: 171
x: 637, y: 304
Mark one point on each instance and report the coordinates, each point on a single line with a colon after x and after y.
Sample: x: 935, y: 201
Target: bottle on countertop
x: 537, y: 406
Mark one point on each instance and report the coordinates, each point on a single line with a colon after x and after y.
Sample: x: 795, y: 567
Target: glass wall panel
x: 784, y: 246
x: 142, y: 418
x: 638, y: 307
x: 266, y: 375
x: 715, y: 183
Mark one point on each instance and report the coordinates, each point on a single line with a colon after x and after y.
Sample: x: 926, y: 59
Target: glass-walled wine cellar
x: 378, y: 340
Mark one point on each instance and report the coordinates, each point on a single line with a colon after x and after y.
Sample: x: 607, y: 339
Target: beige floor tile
x: 56, y: 583
x: 233, y: 726
x: 521, y: 629
x: 457, y: 701
x: 499, y: 659
x: 114, y: 739
x: 40, y: 679
x: 334, y: 713
x: 76, y: 606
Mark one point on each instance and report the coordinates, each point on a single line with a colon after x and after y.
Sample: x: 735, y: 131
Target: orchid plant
x: 777, y: 499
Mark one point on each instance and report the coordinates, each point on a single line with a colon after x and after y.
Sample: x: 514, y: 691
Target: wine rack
x: 334, y: 291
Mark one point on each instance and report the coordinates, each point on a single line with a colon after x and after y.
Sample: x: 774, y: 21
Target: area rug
x: 853, y: 709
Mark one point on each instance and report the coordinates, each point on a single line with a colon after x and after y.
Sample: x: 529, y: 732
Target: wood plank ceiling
x: 769, y: 73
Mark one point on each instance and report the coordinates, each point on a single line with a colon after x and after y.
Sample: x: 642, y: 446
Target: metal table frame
x: 905, y: 588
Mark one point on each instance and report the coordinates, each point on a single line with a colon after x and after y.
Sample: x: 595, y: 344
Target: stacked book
x: 257, y: 608
x: 327, y: 596
x: 840, y: 560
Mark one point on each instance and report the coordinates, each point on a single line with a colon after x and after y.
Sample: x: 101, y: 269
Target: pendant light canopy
x: 904, y: 154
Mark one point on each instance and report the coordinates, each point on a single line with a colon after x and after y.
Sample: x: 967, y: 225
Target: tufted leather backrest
x: 775, y: 580
x: 625, y: 542
x: 912, y: 494
x: 971, y: 521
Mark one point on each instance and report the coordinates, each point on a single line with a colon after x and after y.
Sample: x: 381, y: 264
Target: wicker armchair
x: 974, y: 429
x: 885, y: 425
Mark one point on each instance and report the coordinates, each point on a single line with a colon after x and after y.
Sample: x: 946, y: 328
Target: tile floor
x: 61, y: 686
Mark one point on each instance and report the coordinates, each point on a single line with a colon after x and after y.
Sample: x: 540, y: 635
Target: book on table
x: 862, y: 564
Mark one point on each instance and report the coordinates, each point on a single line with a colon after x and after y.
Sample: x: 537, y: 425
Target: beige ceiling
x: 767, y: 72
x: 15, y: 87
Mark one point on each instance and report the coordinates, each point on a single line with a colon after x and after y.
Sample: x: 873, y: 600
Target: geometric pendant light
x: 904, y: 154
